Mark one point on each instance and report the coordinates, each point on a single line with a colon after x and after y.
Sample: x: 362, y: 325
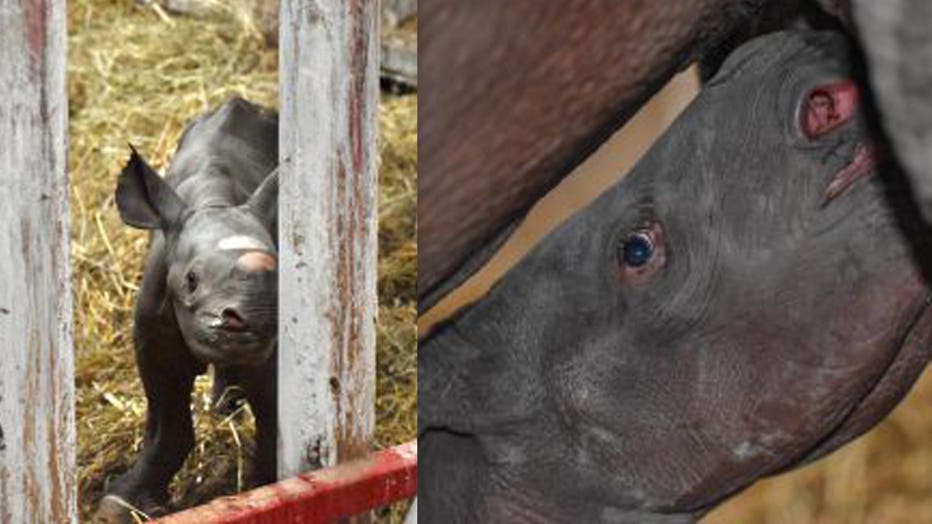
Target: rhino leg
x: 261, y: 389
x: 227, y: 393
x: 169, y: 437
x: 167, y: 369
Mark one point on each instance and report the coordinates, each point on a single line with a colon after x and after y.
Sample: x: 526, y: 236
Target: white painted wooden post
x: 37, y: 433
x: 327, y: 231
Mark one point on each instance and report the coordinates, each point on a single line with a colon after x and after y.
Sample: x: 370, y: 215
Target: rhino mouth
x: 242, y: 347
x: 911, y: 355
x: 912, y: 347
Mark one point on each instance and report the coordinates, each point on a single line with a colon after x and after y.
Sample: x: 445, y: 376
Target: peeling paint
x: 314, y: 456
x: 35, y: 16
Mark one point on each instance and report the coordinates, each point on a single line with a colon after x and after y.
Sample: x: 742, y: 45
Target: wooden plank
x: 37, y: 434
x: 327, y: 224
x: 318, y: 497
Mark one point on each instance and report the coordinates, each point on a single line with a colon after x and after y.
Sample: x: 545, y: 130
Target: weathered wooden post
x: 327, y: 231
x: 37, y: 434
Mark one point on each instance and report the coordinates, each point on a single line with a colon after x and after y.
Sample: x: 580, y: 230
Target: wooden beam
x: 318, y: 497
x: 327, y: 225
x: 37, y: 433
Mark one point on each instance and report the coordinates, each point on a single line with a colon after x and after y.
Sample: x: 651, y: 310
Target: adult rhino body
x: 209, y: 290
x: 749, y: 298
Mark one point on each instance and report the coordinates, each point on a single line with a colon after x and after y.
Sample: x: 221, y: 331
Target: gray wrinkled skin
x: 780, y: 326
x: 209, y: 291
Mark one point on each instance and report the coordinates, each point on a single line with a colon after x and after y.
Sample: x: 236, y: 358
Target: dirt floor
x: 138, y: 75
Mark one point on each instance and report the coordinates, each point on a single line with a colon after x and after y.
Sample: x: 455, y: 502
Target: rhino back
x: 238, y: 138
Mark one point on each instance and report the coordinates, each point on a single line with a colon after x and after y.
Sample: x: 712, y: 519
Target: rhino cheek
x: 195, y: 336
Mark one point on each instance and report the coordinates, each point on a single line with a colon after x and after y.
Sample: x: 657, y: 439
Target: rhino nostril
x: 232, y: 320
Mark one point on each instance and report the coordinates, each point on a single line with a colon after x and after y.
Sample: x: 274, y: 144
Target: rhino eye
x: 637, y: 250
x: 641, y: 254
x: 190, y: 281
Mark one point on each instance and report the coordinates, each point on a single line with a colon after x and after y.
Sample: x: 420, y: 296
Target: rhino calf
x: 753, y: 295
x: 209, y: 291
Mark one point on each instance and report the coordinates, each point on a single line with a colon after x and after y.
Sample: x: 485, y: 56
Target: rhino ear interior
x: 145, y: 201
x: 264, y: 203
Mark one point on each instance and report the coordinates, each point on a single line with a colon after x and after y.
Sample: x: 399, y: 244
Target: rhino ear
x: 144, y: 199
x: 264, y: 202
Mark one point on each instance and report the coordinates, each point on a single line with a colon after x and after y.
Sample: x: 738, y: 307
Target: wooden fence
x: 37, y: 431
x: 322, y: 496
x: 327, y: 224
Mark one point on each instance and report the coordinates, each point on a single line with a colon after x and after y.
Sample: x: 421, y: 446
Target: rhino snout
x: 229, y: 318
x: 232, y: 320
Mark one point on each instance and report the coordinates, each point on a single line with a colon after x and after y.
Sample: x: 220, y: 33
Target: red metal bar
x: 318, y: 497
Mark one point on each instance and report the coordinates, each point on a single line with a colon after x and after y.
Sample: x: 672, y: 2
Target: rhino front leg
x: 169, y: 433
x: 227, y: 393
x: 261, y: 385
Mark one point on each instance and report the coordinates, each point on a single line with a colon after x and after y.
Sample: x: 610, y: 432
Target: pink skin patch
x: 861, y: 167
x: 256, y: 261
x: 828, y: 107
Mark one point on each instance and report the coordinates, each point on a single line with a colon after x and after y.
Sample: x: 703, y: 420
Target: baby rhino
x: 209, y: 290
x: 752, y: 296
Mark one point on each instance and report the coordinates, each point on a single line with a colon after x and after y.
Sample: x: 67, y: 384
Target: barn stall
x: 138, y: 73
